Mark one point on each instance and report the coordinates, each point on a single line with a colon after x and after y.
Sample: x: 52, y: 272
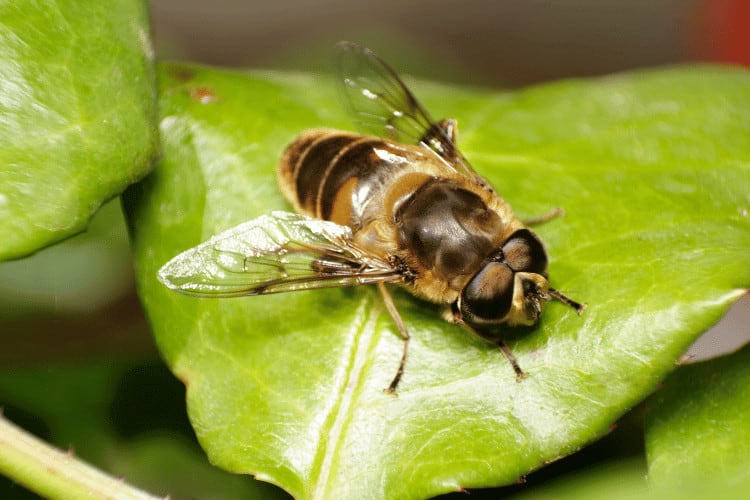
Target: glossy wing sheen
x: 277, y: 252
x: 381, y: 104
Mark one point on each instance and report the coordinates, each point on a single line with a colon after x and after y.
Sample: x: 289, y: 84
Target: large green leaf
x: 78, y: 112
x: 653, y: 170
x: 698, y: 431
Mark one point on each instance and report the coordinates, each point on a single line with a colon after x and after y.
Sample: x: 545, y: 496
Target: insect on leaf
x: 652, y: 169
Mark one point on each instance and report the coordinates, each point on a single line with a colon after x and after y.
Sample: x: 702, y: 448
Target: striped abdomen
x: 334, y: 175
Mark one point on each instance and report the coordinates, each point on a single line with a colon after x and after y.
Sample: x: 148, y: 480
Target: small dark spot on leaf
x: 204, y: 95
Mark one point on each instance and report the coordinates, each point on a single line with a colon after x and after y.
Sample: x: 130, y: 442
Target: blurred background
x: 69, y: 316
x: 507, y: 43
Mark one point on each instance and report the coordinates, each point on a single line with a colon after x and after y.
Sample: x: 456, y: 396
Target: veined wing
x: 277, y: 252
x: 381, y: 104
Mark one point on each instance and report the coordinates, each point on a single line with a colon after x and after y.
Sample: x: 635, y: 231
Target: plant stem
x: 52, y: 473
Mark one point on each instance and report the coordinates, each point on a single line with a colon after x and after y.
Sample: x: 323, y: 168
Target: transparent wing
x: 277, y: 252
x: 381, y: 104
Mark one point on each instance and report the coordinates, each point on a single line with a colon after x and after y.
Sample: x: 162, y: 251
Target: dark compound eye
x: 488, y: 296
x: 523, y: 252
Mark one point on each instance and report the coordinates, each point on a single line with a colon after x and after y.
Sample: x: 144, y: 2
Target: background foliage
x: 78, y: 114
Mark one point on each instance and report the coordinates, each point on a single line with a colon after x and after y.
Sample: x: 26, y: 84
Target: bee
x: 398, y: 205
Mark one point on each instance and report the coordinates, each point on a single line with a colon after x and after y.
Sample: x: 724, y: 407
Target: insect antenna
x: 556, y: 294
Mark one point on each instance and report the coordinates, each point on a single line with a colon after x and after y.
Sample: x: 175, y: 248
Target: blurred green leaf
x: 698, y: 431
x: 615, y: 480
x: 169, y: 465
x: 75, y: 406
x: 653, y: 171
x: 81, y: 274
x: 78, y: 114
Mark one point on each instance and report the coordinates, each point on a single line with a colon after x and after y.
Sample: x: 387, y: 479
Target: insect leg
x: 492, y: 339
x: 554, y: 213
x: 401, y: 330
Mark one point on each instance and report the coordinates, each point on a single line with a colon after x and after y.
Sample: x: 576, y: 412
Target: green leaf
x: 653, y: 171
x: 78, y: 275
x: 78, y: 112
x: 698, y: 432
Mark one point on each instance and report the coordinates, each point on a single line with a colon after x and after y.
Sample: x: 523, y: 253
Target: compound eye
x: 523, y: 252
x: 488, y: 296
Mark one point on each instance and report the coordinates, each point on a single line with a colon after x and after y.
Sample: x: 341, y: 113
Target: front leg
x: 456, y: 317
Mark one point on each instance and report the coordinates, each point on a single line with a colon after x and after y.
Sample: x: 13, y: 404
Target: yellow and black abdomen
x: 335, y: 175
